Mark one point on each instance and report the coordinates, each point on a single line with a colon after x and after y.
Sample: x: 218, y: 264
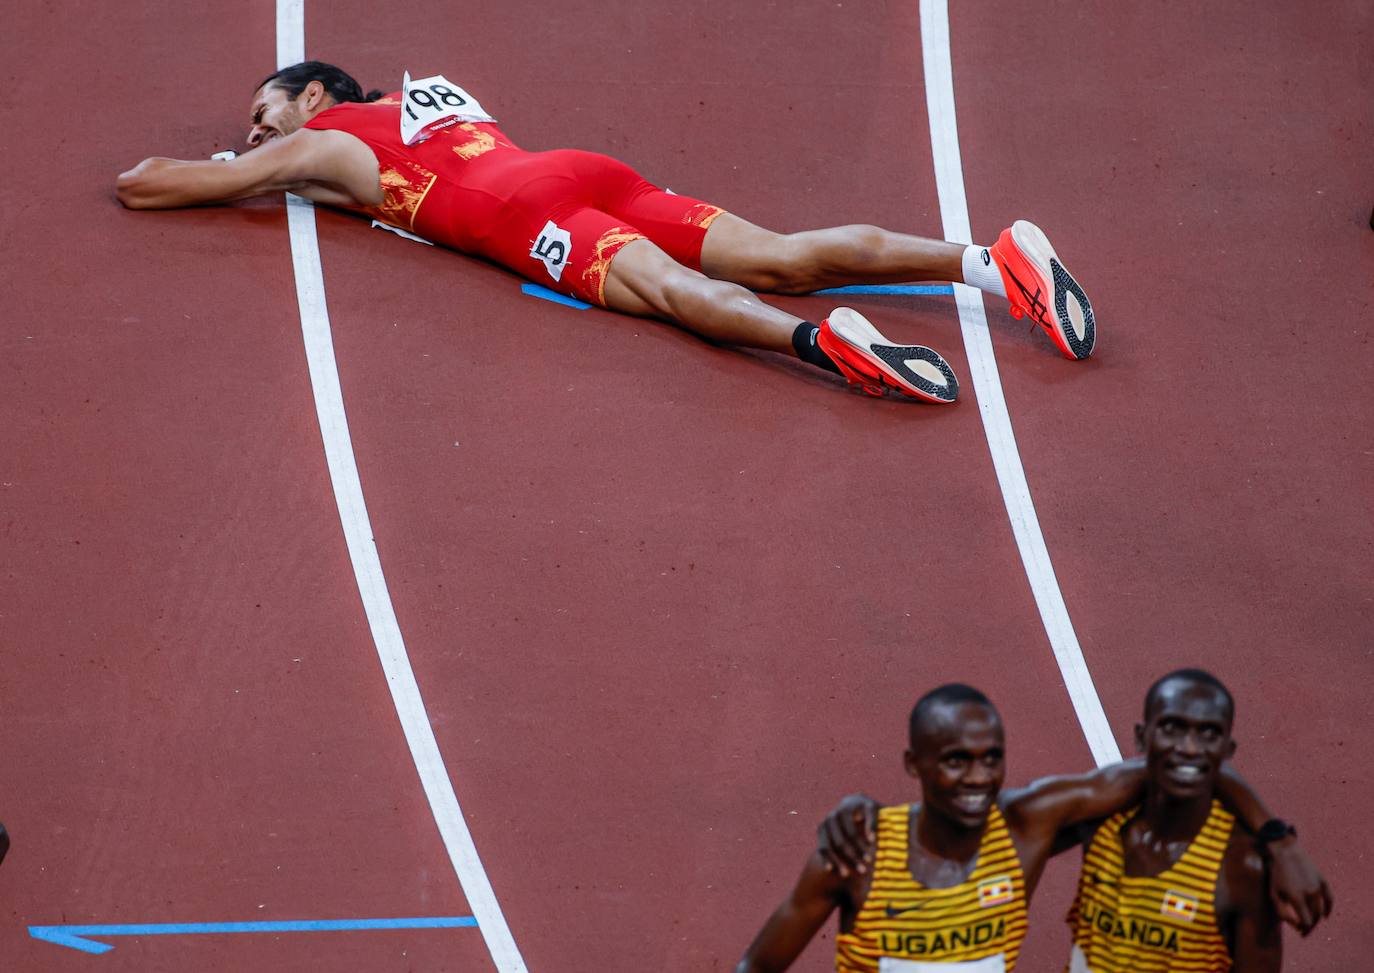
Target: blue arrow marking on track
x: 543, y: 293
x: 74, y: 936
x: 891, y: 289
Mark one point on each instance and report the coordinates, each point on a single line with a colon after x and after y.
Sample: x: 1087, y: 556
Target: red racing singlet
x: 426, y: 186
x: 557, y: 217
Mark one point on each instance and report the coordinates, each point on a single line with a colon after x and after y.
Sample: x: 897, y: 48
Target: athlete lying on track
x: 948, y: 880
x: 430, y: 160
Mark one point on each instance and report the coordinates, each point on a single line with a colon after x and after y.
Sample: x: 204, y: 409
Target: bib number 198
x: 434, y: 98
x: 433, y: 103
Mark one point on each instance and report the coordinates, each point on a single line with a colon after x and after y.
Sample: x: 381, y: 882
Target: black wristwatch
x: 1275, y: 829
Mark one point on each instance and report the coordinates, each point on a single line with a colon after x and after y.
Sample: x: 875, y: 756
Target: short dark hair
x: 950, y: 693
x: 1191, y: 675
x: 338, y: 83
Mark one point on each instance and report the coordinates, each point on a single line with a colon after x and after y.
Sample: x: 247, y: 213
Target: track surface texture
x: 666, y: 602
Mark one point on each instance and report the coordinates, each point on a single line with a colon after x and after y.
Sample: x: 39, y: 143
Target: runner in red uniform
x: 590, y: 226
x: 468, y: 186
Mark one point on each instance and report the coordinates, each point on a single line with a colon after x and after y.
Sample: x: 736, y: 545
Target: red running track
x: 666, y: 602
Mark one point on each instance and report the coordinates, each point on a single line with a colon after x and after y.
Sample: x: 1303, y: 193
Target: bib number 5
x: 433, y: 103
x: 553, y: 246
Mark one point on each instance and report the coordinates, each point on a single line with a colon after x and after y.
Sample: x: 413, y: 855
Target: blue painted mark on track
x: 543, y: 293
x: 75, y: 936
x: 891, y: 289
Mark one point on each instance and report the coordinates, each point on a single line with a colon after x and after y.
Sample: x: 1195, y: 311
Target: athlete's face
x: 1186, y: 737
x: 274, y: 115
x: 960, y: 760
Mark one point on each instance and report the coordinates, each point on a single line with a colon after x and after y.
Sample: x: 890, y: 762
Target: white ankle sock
x: 980, y: 271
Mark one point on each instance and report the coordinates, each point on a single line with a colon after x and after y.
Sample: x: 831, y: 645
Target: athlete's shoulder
x: 1019, y: 803
x: 345, y: 111
x: 331, y: 160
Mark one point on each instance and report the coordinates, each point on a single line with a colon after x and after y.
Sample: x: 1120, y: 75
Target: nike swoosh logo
x: 894, y: 913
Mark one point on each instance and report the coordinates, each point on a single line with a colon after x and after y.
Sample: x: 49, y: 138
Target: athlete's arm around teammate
x: 957, y: 869
x: 1042, y: 818
x: 1037, y: 816
x: 1034, y: 817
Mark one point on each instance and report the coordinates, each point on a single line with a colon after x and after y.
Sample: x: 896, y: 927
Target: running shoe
x: 1038, y: 285
x: 873, y: 363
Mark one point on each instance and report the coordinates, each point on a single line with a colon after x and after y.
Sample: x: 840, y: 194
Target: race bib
x: 553, y: 247
x: 991, y: 964
x: 1078, y: 963
x: 433, y: 103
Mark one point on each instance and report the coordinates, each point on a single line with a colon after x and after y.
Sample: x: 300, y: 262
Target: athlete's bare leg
x: 645, y: 281
x: 798, y: 263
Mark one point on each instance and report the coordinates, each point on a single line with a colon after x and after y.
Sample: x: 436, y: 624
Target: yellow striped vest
x: 904, y: 927
x: 1162, y: 924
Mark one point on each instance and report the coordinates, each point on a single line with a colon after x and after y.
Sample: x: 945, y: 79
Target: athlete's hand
x: 1299, y: 893
x: 846, y: 839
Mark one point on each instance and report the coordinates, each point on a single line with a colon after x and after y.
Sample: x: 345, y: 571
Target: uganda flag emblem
x: 995, y: 891
x: 1178, y: 905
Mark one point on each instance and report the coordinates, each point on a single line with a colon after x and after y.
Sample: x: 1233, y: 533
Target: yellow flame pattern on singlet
x: 983, y: 916
x: 1125, y: 924
x: 405, y: 185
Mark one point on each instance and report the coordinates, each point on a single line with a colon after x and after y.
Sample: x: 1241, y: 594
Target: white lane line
x: 362, y: 550
x: 992, y: 406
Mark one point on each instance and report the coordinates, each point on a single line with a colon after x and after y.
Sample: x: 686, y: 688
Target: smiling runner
x: 951, y: 876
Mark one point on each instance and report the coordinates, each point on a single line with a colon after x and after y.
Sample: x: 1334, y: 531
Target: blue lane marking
x: 892, y: 289
x: 543, y: 293
x: 74, y: 936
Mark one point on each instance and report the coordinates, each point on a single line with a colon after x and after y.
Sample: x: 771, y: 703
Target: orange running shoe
x: 1038, y: 285
x: 873, y: 363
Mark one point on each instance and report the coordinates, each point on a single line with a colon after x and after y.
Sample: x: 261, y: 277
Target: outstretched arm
x: 333, y: 162
x: 791, y: 926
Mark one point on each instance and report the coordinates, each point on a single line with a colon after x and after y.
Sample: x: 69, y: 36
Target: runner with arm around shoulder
x: 949, y: 878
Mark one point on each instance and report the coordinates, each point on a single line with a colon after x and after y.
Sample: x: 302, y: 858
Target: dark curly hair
x: 338, y: 83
